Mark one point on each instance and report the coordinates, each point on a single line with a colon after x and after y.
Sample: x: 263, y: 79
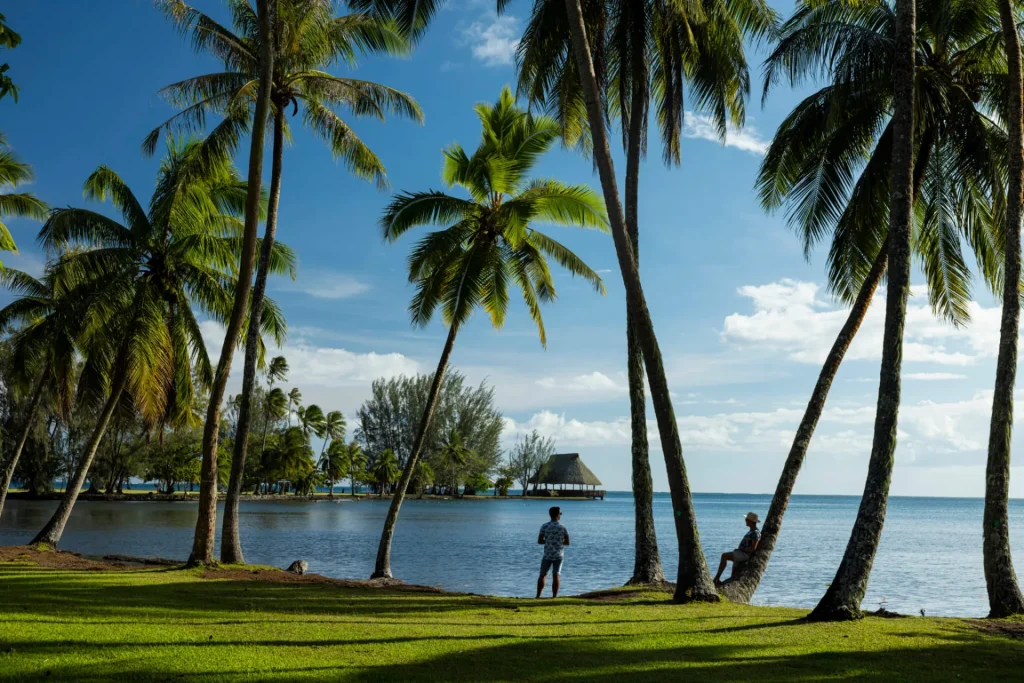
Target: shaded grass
x: 174, y: 624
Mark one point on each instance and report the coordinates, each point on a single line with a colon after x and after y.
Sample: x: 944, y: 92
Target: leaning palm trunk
x: 382, y: 568
x: 746, y: 579
x: 741, y: 588
x: 845, y: 593
x: 230, y: 541
x: 646, y: 559
x: 694, y: 580
x: 1004, y: 596
x: 54, y: 529
x: 33, y: 406
x: 206, y: 524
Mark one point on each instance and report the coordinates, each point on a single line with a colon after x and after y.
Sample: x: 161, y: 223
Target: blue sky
x: 742, y: 318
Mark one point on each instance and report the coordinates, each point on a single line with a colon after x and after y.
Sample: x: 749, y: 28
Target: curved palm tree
x: 651, y: 51
x: 12, y: 203
x: 141, y: 337
x: 829, y: 163
x: 45, y: 344
x: 306, y: 38
x: 385, y: 470
x: 1004, y: 595
x: 487, y: 244
x: 333, y: 430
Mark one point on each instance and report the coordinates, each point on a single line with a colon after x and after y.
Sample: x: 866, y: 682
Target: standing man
x: 554, y: 537
x: 748, y: 544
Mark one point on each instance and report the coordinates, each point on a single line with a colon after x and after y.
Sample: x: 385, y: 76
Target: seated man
x: 747, y: 547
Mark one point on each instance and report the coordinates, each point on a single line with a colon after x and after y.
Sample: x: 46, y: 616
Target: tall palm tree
x: 294, y: 399
x: 844, y: 595
x: 44, y: 347
x: 829, y: 162
x: 694, y: 581
x: 333, y: 430
x: 334, y: 463
x: 645, y: 60
x: 13, y: 203
x: 455, y: 452
x: 225, y: 137
x: 385, y: 470
x: 141, y: 336
x: 487, y: 241
x: 306, y: 37
x: 1004, y: 595
x: 277, y: 369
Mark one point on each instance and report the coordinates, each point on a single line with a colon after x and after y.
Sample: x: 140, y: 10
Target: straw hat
x: 752, y: 517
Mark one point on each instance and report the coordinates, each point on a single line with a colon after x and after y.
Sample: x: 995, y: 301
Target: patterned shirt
x: 554, y: 540
x: 749, y: 541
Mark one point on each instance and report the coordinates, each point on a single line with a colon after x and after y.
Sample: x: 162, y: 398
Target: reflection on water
x: 930, y: 556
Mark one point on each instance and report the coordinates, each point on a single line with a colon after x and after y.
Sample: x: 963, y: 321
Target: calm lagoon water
x: 930, y: 557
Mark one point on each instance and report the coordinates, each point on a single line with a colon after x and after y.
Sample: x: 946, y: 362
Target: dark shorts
x: 547, y: 564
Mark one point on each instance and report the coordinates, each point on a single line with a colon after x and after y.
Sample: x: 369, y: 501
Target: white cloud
x: 591, y: 382
x: 328, y: 284
x: 933, y: 376
x: 493, y: 42
x: 791, y: 317
x: 703, y: 127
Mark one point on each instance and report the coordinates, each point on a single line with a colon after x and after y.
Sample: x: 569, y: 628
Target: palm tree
x: 223, y: 138
x: 424, y: 477
x: 830, y: 163
x: 1004, y: 596
x: 230, y: 542
x: 290, y: 455
x: 455, y: 452
x: 645, y: 61
x: 44, y: 347
x: 694, y: 580
x: 385, y: 470
x: 356, y: 463
x: 12, y: 203
x: 294, y: 399
x: 334, y: 462
x: 487, y: 241
x: 141, y: 337
x: 312, y: 421
x: 305, y: 37
x: 333, y: 430
x: 844, y: 595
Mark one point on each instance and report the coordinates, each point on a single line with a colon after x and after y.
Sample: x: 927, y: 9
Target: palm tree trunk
x: 694, y: 580
x: 33, y: 406
x: 1004, y: 596
x: 230, y: 540
x: 382, y: 568
x: 206, y: 524
x: 54, y: 529
x: 647, y: 559
x: 746, y: 579
x: 844, y: 595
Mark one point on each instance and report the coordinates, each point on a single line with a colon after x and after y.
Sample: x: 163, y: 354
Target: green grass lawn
x: 171, y: 625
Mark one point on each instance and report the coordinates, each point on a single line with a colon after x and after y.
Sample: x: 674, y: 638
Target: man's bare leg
x: 726, y: 558
x: 540, y: 584
x: 554, y: 585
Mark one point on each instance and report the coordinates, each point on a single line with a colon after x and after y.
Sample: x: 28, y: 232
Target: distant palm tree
x: 294, y: 399
x: 488, y: 242
x: 277, y: 370
x: 141, y: 335
x: 306, y: 38
x: 829, y: 164
x: 15, y: 204
x: 844, y: 595
x: 456, y: 454
x: 334, y: 463
x: 311, y: 421
x: 333, y: 429
x: 290, y: 455
x: 646, y: 63
x: 44, y: 346
x: 385, y: 470
x: 424, y: 477
x: 1004, y: 595
x: 356, y: 463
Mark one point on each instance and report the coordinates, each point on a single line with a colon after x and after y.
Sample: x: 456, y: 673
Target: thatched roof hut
x: 566, y: 469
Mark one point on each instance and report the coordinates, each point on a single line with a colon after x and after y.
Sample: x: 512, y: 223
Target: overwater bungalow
x: 565, y: 475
